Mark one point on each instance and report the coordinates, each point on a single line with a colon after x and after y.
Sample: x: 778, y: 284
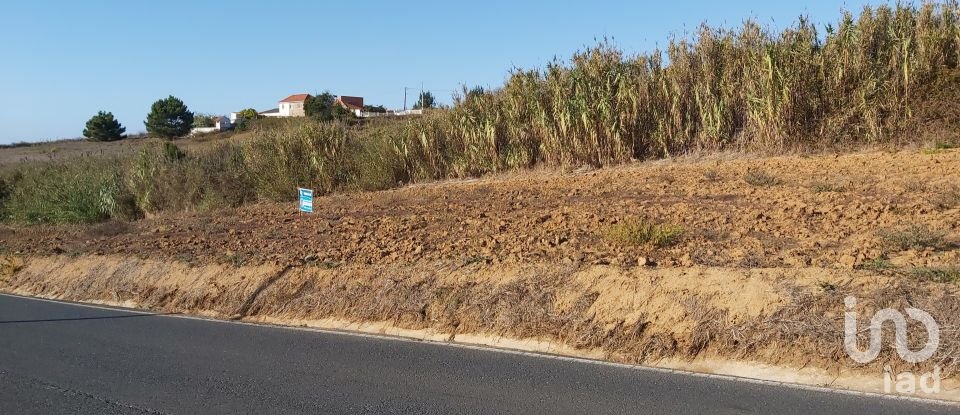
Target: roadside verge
x: 774, y: 324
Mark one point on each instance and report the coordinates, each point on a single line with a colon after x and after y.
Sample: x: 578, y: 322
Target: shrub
x: 760, y: 178
x: 948, y: 197
x: 5, y: 189
x: 203, y: 120
x: 915, y: 236
x: 164, y: 178
x: 80, y: 190
x: 877, y: 264
x: 824, y: 187
x: 938, y: 147
x: 937, y: 274
x: 640, y: 232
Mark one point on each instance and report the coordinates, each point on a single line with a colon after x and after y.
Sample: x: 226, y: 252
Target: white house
x: 291, y: 106
x: 222, y: 123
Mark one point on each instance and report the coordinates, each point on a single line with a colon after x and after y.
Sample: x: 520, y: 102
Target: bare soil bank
x: 694, y: 318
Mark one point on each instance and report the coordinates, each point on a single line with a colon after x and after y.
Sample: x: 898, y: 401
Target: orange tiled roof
x: 296, y: 98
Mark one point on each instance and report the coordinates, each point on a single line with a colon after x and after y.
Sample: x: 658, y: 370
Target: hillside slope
x: 762, y: 253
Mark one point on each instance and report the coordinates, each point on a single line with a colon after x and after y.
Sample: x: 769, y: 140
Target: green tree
x: 169, y: 118
x: 319, y: 106
x: 103, y: 127
x: 203, y: 120
x: 245, y: 117
x: 249, y: 114
x: 323, y: 107
x: 426, y: 100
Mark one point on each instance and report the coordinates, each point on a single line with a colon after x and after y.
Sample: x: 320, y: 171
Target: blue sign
x: 306, y: 200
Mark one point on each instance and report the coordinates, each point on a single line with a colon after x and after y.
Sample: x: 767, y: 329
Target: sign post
x: 306, y: 200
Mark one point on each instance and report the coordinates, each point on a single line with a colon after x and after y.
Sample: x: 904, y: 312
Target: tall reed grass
x: 854, y: 82
x: 86, y: 189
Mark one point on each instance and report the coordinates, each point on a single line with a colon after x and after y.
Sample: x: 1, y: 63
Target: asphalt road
x: 63, y: 358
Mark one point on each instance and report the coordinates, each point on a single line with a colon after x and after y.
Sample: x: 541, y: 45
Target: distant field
x: 11, y: 156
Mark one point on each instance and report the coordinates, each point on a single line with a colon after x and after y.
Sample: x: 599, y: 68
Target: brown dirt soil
x: 759, y: 273
x: 824, y: 211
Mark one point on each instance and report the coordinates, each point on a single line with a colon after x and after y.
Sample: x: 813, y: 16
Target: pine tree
x: 169, y: 118
x: 103, y: 127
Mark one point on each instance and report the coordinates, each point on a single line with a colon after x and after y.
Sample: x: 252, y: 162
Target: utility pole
x: 405, y: 98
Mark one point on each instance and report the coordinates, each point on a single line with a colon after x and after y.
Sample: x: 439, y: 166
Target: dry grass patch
x: 878, y: 264
x: 826, y: 187
x: 711, y: 175
x: 937, y: 274
x: 760, y: 178
x: 948, y: 197
x: 915, y: 236
x: 939, y: 147
x: 9, y: 265
x: 637, y: 232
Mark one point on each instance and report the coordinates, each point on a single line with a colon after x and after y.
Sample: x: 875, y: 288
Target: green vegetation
x: 866, y: 80
x: 103, y: 127
x: 937, y: 274
x: 169, y: 118
x: 914, y: 236
x: 5, y: 190
x: 380, y: 109
x: 938, y: 147
x: 84, y: 190
x: 877, y: 264
x: 323, y: 108
x: 246, y: 117
x: 638, y: 232
x: 203, y: 120
x: 425, y: 101
x: 249, y: 114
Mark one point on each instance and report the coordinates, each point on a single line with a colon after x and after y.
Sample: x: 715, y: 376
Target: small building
x: 292, y: 106
x: 354, y: 104
x: 222, y: 123
x: 274, y: 112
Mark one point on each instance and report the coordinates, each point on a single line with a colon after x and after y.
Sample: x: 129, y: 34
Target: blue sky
x: 62, y: 61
